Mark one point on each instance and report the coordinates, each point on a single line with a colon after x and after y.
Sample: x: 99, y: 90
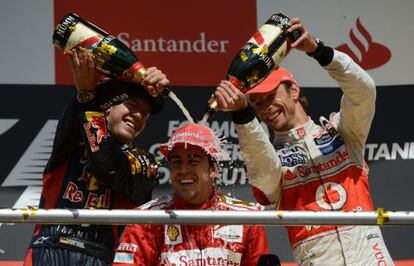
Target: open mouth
x: 130, y: 124
x: 274, y: 116
x: 132, y: 127
x: 186, y: 181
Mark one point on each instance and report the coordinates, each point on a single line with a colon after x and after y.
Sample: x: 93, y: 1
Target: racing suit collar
x: 178, y: 203
x: 295, y: 133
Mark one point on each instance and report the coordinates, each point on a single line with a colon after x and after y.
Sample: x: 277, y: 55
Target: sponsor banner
x: 26, y: 139
x: 362, y: 29
x: 193, y: 43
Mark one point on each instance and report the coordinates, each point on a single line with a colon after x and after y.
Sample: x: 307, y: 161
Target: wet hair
x: 213, y: 163
x: 302, y: 98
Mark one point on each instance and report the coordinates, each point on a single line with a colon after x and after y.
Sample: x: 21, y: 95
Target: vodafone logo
x: 331, y: 196
x: 371, y: 54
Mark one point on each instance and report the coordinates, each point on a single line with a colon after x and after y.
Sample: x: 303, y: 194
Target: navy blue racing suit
x: 88, y: 169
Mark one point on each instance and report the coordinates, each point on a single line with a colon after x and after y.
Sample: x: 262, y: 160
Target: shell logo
x: 173, y: 232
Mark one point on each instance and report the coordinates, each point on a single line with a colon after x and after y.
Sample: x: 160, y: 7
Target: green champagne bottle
x: 112, y: 57
x: 262, y: 53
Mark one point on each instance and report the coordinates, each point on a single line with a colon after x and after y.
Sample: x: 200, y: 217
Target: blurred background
x: 36, y: 83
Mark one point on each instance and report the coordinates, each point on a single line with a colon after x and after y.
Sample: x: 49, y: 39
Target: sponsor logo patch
x: 283, y: 150
x: 372, y: 235
x: 229, y: 233
x: 205, y: 257
x: 122, y: 257
x: 172, y: 234
x: 130, y: 247
x: 336, y: 142
x: 71, y: 242
x: 338, y: 159
x: 292, y: 160
x: 323, y: 139
x: 331, y: 195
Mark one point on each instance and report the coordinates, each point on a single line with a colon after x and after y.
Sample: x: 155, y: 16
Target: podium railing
x: 88, y: 216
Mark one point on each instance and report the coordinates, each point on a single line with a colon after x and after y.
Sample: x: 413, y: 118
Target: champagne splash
x: 203, y: 121
x: 174, y: 97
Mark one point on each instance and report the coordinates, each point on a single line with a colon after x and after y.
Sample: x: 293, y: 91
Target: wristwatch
x: 318, y: 50
x: 85, y: 96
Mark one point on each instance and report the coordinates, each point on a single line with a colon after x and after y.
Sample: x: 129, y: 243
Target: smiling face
x: 127, y: 120
x: 278, y: 108
x: 191, y: 173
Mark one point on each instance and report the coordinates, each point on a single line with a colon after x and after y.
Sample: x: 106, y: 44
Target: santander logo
x: 372, y: 54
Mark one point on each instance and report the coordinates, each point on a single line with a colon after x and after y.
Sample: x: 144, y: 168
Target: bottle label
x: 134, y: 73
x: 102, y: 55
x: 279, y: 20
x: 83, y: 36
x: 271, y: 40
x: 262, y: 53
x: 63, y: 31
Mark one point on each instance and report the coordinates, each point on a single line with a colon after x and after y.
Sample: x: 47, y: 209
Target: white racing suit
x: 321, y: 168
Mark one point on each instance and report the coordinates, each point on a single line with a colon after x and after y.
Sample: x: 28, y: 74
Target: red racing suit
x: 88, y: 169
x: 182, y: 245
x: 321, y: 168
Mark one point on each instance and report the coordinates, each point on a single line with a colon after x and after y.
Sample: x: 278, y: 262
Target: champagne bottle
x: 73, y: 31
x: 262, y: 53
x: 112, y: 57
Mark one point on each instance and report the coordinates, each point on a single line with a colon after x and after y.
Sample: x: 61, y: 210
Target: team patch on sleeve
x: 122, y: 257
x: 129, y: 247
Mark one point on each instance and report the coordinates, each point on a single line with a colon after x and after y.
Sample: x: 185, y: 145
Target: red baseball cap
x: 197, y: 135
x: 272, y: 81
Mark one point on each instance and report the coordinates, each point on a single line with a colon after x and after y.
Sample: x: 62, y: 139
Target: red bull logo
x: 99, y: 123
x: 91, y: 137
x: 91, y: 182
x: 93, y: 200
x: 96, y: 121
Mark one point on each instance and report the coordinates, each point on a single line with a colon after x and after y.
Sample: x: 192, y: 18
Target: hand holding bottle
x: 229, y: 97
x: 154, y: 81
x: 110, y: 56
x: 263, y: 52
x: 306, y: 42
x: 84, y: 72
